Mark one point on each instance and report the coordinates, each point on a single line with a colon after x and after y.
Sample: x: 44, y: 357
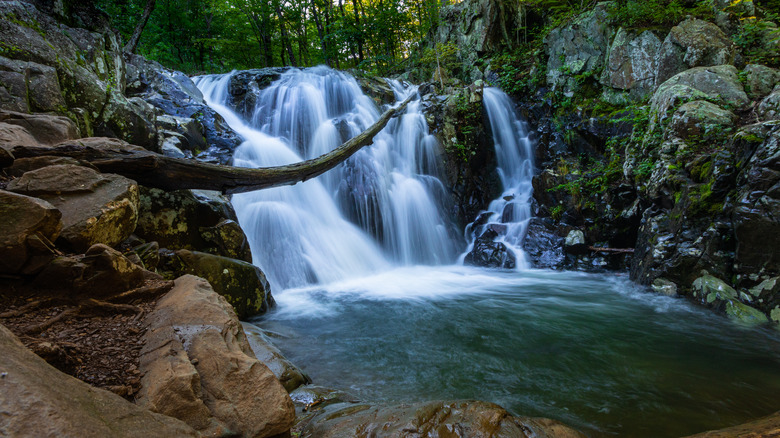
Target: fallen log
x: 613, y: 250
x: 154, y: 170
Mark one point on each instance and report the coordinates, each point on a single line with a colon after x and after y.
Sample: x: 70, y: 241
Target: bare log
x: 612, y: 250
x: 155, y: 170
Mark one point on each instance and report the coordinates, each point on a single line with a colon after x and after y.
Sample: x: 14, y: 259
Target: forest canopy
x: 221, y: 35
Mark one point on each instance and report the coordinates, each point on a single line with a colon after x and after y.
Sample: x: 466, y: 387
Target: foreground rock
x: 199, y: 367
x: 473, y: 419
x: 288, y: 374
x: 38, y: 401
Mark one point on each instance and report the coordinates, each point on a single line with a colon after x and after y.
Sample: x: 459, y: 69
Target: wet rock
x: 665, y: 287
x: 377, y: 89
x: 198, y: 366
x: 192, y: 219
x: 245, y: 86
x: 693, y: 43
x: 543, y: 247
x: 42, y: 401
x: 243, y: 285
x: 578, y: 48
x: 29, y: 224
x: 489, y: 254
x: 288, y: 374
x: 715, y: 293
x: 96, y: 208
x: 432, y: 419
x: 632, y: 62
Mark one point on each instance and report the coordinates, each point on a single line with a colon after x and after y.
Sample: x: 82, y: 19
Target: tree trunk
x: 133, y: 43
x: 155, y: 170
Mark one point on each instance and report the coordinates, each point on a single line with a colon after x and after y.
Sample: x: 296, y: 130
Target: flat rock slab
x: 96, y: 207
x: 36, y: 400
x: 199, y: 367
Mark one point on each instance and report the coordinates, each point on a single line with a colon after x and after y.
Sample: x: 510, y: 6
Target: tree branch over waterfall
x: 155, y: 170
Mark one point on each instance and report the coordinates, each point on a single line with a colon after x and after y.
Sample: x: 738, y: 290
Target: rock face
x: 39, y: 401
x: 73, y: 71
x: 192, y: 219
x: 198, y: 367
x: 96, y: 208
x: 18, y: 129
x: 243, y: 284
x: 429, y: 420
x: 632, y: 62
x: 577, y: 49
x: 29, y: 225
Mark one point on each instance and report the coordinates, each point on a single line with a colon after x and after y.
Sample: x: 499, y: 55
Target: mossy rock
x: 741, y: 313
x: 242, y: 284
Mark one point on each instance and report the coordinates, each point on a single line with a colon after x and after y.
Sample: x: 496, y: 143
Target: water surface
x: 594, y: 351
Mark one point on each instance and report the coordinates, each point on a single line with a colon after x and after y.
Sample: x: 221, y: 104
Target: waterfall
x: 383, y: 207
x: 509, y: 214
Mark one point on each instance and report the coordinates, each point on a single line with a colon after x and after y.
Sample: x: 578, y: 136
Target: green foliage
x: 663, y: 14
x: 756, y: 37
x: 557, y: 212
x: 469, y: 118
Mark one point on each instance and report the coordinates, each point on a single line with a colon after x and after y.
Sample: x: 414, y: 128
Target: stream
x: 363, y: 264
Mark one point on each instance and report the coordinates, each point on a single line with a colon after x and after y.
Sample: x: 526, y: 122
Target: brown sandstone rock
x: 26, y: 225
x: 290, y: 375
x: 767, y: 427
x: 39, y: 401
x: 44, y: 128
x: 199, y: 367
x: 96, y: 208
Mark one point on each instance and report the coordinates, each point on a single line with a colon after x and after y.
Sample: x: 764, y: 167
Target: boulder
x: 192, y: 219
x: 665, y: 287
x: 288, y: 374
x: 24, y: 165
x: 578, y: 49
x: 432, y: 419
x: 719, y: 84
x: 632, y: 62
x: 542, y: 246
x: 693, y: 43
x: 244, y: 88
x: 39, y: 401
x: 29, y: 86
x: 198, y: 366
x: 760, y: 80
x: 243, y: 284
x: 575, y: 242
x: 700, y: 119
x: 769, y: 108
x: 29, y: 227
x: 96, y: 208
x: 715, y: 293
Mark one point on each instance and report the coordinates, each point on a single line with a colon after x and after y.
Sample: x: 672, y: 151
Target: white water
x: 510, y: 213
x: 382, y: 208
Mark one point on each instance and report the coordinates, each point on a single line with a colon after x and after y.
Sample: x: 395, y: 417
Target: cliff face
x: 660, y: 139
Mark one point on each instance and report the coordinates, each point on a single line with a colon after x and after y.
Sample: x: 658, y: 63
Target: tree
x: 133, y: 43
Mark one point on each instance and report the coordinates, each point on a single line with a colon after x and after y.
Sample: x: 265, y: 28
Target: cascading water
x: 508, y: 215
x: 302, y: 234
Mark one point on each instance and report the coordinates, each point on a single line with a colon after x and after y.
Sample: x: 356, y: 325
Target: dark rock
x: 489, y: 254
x: 543, y: 247
x: 245, y: 86
x: 192, y: 219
